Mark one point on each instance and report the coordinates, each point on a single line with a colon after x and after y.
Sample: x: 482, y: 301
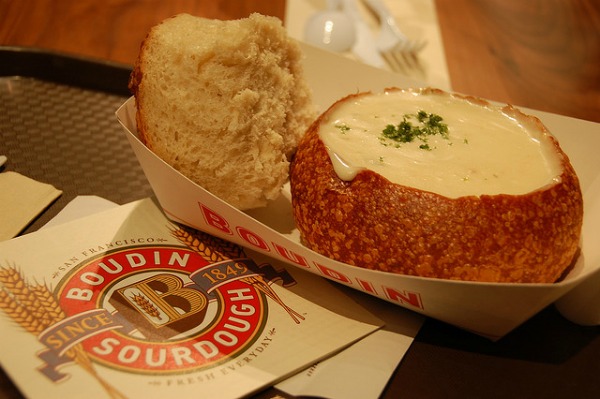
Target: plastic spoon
x: 330, y: 29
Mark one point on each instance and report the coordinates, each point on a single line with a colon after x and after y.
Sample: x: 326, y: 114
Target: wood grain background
x: 542, y: 54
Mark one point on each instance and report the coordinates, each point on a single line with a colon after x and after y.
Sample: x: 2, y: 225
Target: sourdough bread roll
x: 223, y: 102
x: 432, y: 184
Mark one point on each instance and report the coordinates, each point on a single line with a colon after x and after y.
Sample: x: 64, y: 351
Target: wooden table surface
x: 542, y: 54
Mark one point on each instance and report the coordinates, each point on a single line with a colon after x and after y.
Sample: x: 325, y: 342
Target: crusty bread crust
x: 373, y: 223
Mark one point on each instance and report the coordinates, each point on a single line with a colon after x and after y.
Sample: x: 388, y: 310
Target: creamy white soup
x: 438, y: 143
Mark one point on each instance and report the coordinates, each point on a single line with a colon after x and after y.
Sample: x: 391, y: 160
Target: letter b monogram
x: 160, y: 306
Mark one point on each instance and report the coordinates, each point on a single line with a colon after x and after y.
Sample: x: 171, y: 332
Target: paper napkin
x: 360, y: 371
x: 21, y: 200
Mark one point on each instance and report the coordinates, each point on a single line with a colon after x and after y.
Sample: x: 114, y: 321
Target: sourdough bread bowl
x: 511, y: 211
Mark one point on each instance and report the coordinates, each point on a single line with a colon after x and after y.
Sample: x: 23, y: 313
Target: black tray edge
x: 86, y: 73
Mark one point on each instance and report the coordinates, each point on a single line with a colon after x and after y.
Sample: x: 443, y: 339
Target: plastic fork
x: 400, y: 52
x: 364, y: 47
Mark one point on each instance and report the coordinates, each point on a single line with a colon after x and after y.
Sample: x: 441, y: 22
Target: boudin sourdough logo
x: 148, y: 309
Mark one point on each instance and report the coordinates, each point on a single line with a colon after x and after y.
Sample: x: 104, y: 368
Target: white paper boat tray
x: 487, y: 309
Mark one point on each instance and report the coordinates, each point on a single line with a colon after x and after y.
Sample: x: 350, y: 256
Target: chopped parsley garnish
x: 418, y: 126
x: 343, y: 127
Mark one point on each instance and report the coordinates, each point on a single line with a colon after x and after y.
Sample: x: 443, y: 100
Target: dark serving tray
x: 57, y: 126
x: 106, y: 77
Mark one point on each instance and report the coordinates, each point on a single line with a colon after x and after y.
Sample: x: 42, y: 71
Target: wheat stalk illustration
x: 34, y: 308
x: 146, y: 305
x: 260, y: 283
x: 211, y: 248
x: 214, y: 249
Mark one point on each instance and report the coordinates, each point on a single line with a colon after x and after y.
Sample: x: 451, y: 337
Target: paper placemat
x: 125, y: 304
x: 363, y: 369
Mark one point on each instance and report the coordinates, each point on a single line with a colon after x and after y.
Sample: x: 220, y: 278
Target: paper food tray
x: 487, y: 309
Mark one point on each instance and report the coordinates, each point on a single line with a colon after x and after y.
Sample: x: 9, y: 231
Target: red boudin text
x: 244, y: 235
x: 111, y: 266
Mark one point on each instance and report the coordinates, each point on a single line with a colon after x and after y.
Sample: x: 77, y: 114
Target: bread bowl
x: 526, y: 233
